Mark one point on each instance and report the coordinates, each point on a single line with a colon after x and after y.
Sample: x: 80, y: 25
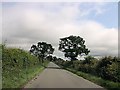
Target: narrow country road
x: 54, y: 77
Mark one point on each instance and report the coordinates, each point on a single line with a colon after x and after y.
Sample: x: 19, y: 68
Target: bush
x: 106, y: 67
x: 16, y: 64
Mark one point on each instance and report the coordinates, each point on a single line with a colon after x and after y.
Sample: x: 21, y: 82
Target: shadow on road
x: 53, y: 68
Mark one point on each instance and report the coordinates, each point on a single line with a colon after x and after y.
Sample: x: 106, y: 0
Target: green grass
x: 109, y: 85
x: 18, y: 80
x: 18, y: 67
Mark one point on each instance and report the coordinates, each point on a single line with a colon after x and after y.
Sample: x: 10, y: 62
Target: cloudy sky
x: 26, y: 23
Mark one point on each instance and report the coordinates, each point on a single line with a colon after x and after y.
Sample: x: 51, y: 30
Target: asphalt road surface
x: 54, y: 77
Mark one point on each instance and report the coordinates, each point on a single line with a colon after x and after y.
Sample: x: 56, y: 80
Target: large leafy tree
x: 42, y: 50
x: 73, y: 46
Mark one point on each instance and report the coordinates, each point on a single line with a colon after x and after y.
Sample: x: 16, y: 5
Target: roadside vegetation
x: 18, y: 67
x: 0, y: 66
x: 110, y: 85
x: 104, y: 71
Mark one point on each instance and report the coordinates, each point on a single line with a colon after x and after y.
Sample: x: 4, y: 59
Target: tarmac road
x: 55, y: 77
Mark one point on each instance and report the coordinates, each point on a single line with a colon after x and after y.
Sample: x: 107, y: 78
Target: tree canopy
x: 73, y: 46
x: 42, y: 49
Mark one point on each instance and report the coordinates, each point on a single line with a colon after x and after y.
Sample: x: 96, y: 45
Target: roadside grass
x: 19, y: 79
x: 109, y: 85
x: 19, y: 67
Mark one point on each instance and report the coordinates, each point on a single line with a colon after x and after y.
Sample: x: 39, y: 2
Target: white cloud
x: 60, y: 0
x: 25, y: 24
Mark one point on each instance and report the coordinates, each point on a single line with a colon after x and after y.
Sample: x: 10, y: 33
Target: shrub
x: 106, y: 68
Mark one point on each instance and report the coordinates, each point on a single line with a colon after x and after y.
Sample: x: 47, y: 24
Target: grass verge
x: 109, y: 85
x: 18, y: 80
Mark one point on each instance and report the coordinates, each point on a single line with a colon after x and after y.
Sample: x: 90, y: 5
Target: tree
x: 49, y: 58
x: 73, y: 46
x: 41, y: 50
x: 88, y: 60
x: 102, y: 67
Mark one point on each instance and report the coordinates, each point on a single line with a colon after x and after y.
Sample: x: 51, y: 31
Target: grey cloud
x: 23, y: 27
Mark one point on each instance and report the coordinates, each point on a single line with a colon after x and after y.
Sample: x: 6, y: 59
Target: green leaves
x: 73, y: 46
x: 107, y: 68
x: 42, y: 49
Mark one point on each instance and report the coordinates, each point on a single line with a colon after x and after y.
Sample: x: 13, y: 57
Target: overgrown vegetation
x: 19, y: 67
x: 110, y: 85
x: 105, y: 68
x: 0, y: 66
